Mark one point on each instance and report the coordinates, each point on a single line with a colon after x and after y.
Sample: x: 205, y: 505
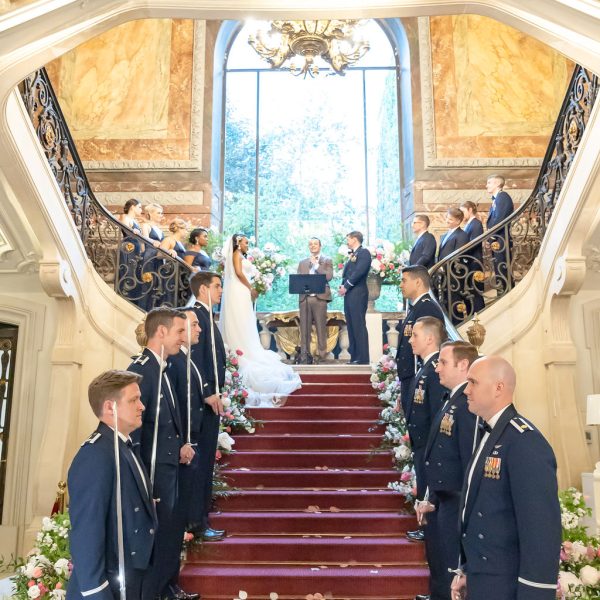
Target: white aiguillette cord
x: 119, y: 503
x: 212, y: 343
x: 155, y: 435
x: 189, y: 382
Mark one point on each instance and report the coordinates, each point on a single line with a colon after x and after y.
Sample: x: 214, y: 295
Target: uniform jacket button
x: 169, y: 437
x: 464, y: 535
x: 135, y: 531
x: 170, y: 453
x: 480, y: 536
x: 484, y: 558
x: 479, y: 514
x: 136, y: 509
x: 133, y: 553
x: 152, y: 532
x: 426, y: 463
x: 439, y: 464
x: 439, y: 481
x: 177, y: 436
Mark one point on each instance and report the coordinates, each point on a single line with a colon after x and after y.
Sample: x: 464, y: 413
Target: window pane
x: 241, y: 54
x: 381, y: 52
x: 240, y: 153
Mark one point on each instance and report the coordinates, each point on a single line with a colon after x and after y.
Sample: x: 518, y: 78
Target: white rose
x: 33, y: 591
x: 402, y: 452
x: 568, y: 582
x: 226, y: 402
x: 47, y: 524
x: 578, y: 551
x: 61, y: 566
x: 225, y: 441
x: 589, y: 575
x: 58, y: 594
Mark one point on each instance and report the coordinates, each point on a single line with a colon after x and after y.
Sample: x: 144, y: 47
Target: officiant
x: 313, y: 307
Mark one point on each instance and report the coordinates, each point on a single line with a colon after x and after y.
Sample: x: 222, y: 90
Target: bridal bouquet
x: 269, y: 264
x: 384, y: 379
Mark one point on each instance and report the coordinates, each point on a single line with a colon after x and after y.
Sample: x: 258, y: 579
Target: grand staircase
x: 312, y: 513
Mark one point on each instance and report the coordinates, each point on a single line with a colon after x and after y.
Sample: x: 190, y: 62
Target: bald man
x: 509, y: 511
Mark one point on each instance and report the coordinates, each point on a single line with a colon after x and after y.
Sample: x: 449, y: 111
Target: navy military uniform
x: 92, y: 510
x: 474, y: 229
x: 202, y: 357
x: 451, y: 291
x: 354, y: 279
x: 406, y: 361
x: 449, y: 448
x: 423, y: 251
x: 169, y: 442
x: 511, y: 525
x: 425, y: 401
x: 502, y: 207
x: 190, y: 495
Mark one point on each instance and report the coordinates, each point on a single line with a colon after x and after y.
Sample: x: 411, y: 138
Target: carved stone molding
x: 163, y: 198
x: 568, y: 276
x: 593, y: 259
x: 56, y: 279
x: 196, y: 121
x: 431, y: 160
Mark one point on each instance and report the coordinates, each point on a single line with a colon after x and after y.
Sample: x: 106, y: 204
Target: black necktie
x: 484, y: 427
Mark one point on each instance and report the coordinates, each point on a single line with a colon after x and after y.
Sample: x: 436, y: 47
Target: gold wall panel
x: 496, y: 91
x: 127, y: 94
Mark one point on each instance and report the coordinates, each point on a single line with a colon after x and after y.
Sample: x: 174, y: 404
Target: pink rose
x: 239, y: 352
x: 188, y: 536
x: 30, y: 583
x: 244, y: 393
x: 385, y: 369
x: 405, y: 437
x: 228, y: 415
x: 406, y: 476
x: 340, y: 265
x: 235, y: 374
x: 37, y: 573
x: 234, y: 361
x: 218, y: 455
x: 58, y: 585
x: 43, y: 588
x: 386, y: 347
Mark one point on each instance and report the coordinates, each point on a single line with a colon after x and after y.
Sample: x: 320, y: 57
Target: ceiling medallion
x: 300, y: 43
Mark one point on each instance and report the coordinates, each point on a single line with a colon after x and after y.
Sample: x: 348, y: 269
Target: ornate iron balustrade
x: 139, y: 271
x: 487, y: 268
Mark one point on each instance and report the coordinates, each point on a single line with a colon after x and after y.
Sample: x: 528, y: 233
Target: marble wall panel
x: 133, y: 96
x: 490, y: 93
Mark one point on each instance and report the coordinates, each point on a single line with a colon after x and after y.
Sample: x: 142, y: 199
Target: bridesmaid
x: 130, y: 254
x: 196, y: 256
x: 173, y: 243
x: 153, y: 287
x: 474, y: 228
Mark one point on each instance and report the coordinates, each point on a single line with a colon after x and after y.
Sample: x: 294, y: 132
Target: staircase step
x: 320, y: 411
x: 332, y: 400
x: 396, y: 551
x: 310, y: 478
x: 335, y: 388
x: 288, y: 441
x: 309, y: 523
x: 335, y: 377
x: 321, y: 426
x: 288, y: 500
x: 298, y: 581
x: 309, y: 460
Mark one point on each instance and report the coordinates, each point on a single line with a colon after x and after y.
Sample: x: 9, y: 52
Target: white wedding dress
x: 268, y: 380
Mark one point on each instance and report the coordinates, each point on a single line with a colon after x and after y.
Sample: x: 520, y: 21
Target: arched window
x: 302, y: 157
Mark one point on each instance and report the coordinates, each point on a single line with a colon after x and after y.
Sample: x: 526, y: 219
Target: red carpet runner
x: 312, y: 514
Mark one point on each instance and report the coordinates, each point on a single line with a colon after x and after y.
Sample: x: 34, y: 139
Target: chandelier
x: 336, y: 42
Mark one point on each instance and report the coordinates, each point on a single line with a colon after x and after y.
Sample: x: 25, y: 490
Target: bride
x: 268, y: 379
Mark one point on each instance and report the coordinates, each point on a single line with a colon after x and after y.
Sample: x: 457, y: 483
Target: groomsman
x: 313, y: 307
x: 427, y: 392
x: 451, y: 241
x: 165, y: 332
x: 501, y: 245
x: 424, y: 248
x: 191, y: 480
x: 356, y: 296
x: 473, y: 229
x: 414, y: 285
x: 93, y: 537
x: 207, y: 289
x: 509, y: 510
x: 450, y: 445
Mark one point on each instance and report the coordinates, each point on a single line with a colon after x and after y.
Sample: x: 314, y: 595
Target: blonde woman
x: 173, y: 243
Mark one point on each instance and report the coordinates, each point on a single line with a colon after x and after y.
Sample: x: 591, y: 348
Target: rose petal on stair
x: 273, y: 596
x: 318, y: 468
x: 242, y: 595
x: 319, y: 596
x: 344, y: 566
x: 334, y: 509
x: 310, y: 597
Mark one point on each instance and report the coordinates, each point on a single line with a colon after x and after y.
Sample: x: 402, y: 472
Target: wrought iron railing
x: 140, y: 272
x: 487, y: 268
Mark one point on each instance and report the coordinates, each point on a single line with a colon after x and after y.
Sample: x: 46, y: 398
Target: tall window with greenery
x: 310, y: 157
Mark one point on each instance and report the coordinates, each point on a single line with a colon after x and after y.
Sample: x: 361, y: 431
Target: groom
x: 355, y: 293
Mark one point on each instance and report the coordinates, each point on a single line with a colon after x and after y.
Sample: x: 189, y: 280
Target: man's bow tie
x: 485, y: 427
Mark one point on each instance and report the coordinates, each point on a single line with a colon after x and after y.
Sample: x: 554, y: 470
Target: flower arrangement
x: 234, y: 397
x: 269, y: 264
x: 45, y: 571
x: 387, y: 259
x: 579, y: 575
x: 384, y: 380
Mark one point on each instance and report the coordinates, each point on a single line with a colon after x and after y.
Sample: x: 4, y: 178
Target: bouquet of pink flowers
x: 269, y: 264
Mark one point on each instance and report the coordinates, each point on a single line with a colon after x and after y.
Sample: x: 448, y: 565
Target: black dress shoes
x: 416, y: 536
x: 213, y: 535
x: 176, y: 593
